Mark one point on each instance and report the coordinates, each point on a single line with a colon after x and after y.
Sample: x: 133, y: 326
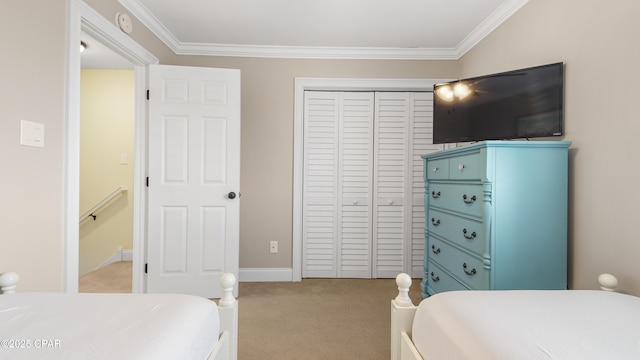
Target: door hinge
x: 148, y: 94
x: 147, y: 181
x: 146, y: 268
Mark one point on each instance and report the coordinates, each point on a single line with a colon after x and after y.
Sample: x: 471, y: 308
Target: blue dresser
x: 496, y: 216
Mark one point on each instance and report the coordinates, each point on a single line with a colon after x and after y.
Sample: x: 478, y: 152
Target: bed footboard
x: 402, y: 313
x: 8, y: 282
x: 227, y: 346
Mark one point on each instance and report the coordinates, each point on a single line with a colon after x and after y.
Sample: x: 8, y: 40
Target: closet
x: 363, y: 190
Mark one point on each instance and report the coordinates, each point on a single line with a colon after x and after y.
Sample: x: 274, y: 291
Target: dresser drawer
x: 466, y: 268
x: 461, y: 231
x: 439, y: 280
x: 467, y: 167
x: 463, y: 198
x: 437, y: 169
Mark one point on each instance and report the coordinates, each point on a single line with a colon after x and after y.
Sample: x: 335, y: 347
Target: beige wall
x: 267, y: 139
x: 598, y: 41
x: 107, y: 114
x: 32, y: 87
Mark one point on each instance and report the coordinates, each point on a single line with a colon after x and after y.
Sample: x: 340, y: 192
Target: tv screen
x: 525, y: 103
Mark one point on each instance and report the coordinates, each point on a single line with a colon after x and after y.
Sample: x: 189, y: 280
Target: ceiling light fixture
x: 83, y: 46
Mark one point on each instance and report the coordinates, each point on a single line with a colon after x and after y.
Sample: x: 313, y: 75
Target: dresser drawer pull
x: 435, y: 169
x: 469, y: 237
x: 434, y: 278
x: 434, y: 250
x: 435, y: 222
x: 460, y: 166
x: 469, y: 201
x: 470, y: 273
x: 435, y: 195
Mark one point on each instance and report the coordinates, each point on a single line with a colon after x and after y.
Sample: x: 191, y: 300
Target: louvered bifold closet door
x: 391, y: 136
x: 402, y: 133
x: 337, y: 180
x: 355, y: 185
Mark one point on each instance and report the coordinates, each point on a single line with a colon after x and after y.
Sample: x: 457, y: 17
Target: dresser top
x: 500, y: 144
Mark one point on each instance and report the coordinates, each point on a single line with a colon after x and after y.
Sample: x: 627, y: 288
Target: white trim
x: 138, y: 284
x: 265, y: 274
x: 120, y: 255
x: 138, y: 10
x: 330, y: 84
x: 499, y: 16
x: 316, y: 52
x: 83, y: 18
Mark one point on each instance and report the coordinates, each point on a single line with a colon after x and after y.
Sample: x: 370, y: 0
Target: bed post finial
x: 227, y: 281
x: 404, y: 283
x: 608, y: 282
x: 8, y: 282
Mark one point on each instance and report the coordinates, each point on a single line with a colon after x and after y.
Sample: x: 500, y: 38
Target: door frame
x: 82, y: 18
x: 330, y: 84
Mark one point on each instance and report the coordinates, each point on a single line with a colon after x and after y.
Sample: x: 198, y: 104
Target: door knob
x: 232, y: 195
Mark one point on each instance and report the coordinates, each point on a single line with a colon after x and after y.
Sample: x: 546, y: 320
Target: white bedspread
x: 106, y: 326
x: 496, y: 325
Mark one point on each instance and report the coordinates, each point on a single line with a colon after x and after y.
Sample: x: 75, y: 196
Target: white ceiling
x: 381, y: 29
x: 98, y: 56
x: 335, y: 29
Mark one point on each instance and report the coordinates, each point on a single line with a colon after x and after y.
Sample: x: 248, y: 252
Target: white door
x: 194, y: 179
x: 338, y: 148
x: 362, y: 210
x: 403, y: 132
x: 391, y: 170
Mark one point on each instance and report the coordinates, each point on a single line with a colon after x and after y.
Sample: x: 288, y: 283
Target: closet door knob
x: 232, y: 195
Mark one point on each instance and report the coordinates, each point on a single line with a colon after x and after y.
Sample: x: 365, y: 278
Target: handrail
x: 91, y: 212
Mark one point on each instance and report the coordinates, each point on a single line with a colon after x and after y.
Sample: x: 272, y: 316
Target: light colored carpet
x: 113, y: 278
x: 316, y: 319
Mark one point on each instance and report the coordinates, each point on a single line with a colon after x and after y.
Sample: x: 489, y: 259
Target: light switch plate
x: 31, y: 133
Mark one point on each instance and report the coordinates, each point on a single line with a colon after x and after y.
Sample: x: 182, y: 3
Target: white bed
x: 116, y: 326
x: 516, y: 324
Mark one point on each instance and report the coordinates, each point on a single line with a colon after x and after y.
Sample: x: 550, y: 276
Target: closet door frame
x: 330, y: 84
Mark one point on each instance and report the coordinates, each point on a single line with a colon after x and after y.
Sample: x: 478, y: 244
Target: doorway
x: 83, y: 18
x: 106, y: 169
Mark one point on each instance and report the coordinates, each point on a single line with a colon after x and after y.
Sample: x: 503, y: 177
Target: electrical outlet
x: 273, y: 247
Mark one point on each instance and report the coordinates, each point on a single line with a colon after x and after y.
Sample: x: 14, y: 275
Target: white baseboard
x: 120, y: 255
x: 265, y: 274
x: 127, y: 255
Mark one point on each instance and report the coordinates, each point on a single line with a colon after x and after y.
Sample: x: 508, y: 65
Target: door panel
x: 194, y: 146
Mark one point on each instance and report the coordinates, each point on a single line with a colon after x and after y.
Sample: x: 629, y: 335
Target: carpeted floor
x: 316, y: 319
x: 113, y: 278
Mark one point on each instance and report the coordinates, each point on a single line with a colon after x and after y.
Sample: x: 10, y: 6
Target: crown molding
x: 315, y: 52
x: 494, y: 20
x: 138, y: 10
x: 151, y: 22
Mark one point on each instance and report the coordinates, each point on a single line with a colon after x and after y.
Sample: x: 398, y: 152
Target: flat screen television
x: 518, y: 104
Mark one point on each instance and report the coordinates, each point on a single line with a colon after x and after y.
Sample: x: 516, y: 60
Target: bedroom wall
x: 596, y: 41
x: 599, y: 44
x: 32, y: 88
x: 267, y: 139
x: 107, y: 114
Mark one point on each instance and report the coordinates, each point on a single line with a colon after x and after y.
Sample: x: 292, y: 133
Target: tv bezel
x: 470, y: 138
